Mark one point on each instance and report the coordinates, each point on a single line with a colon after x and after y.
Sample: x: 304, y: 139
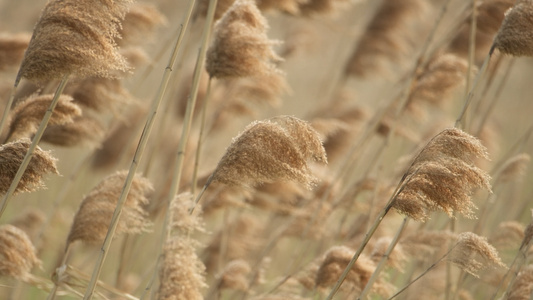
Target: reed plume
x: 386, y: 40
x: 523, y: 285
x: 514, y: 36
x: 139, y: 24
x: 27, y: 115
x: 75, y: 37
x: 271, y: 150
x: 85, y: 131
x: 234, y: 276
x: 489, y: 14
x: 473, y: 253
x: 100, y: 94
x: 30, y: 221
x: 241, y: 47
x: 221, y: 8
x: 319, y: 7
x: 96, y: 209
x: 18, y: 255
x: 11, y: 156
x: 12, y: 47
x: 443, y: 177
x: 287, y: 6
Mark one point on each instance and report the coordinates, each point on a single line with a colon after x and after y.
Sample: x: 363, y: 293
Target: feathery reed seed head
x: 235, y: 275
x: 515, y: 36
x: 94, y: 215
x: 473, y: 253
x: 241, y: 47
x: 268, y: 151
x: 523, y: 285
x: 11, y: 156
x: 27, y: 115
x: 82, y: 131
x: 12, y: 47
x: 442, y: 177
x: 17, y: 253
x: 75, y: 37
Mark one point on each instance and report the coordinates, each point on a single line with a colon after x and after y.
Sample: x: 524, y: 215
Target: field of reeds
x: 263, y: 149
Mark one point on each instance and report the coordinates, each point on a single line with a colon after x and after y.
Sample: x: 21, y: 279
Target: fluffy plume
x: 396, y: 258
x: 17, y: 253
x: 140, y: 22
x: 27, y: 115
x: 82, y: 131
x: 271, y: 150
x: 508, y: 234
x: 100, y: 94
x: 11, y: 156
x: 335, y: 261
x: 234, y: 276
x: 30, y: 221
x: 222, y: 7
x: 523, y: 285
x: 241, y: 47
x: 473, y: 253
x: 96, y: 210
x: 386, y: 38
x: 489, y: 15
x: 182, y: 273
x: 441, y: 77
x: 12, y: 48
x: 75, y: 37
x: 442, y: 177
x: 514, y: 167
x: 514, y: 36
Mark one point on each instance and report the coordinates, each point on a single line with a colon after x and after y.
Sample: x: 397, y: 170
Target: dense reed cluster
x: 266, y: 149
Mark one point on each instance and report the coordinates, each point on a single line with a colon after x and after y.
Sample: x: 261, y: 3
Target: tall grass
x: 262, y: 149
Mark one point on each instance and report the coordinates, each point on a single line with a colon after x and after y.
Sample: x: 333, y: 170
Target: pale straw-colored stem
x: 461, y: 122
x: 137, y: 157
x: 35, y: 141
x: 384, y: 259
x: 471, y: 47
x: 60, y: 272
x: 187, y: 121
x: 7, y: 109
x: 200, y: 138
x: 424, y: 273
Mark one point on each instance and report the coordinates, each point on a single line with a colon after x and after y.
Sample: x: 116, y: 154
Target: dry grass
x: 320, y: 128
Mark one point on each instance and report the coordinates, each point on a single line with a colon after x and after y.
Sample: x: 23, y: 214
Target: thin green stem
x: 35, y: 141
x: 136, y: 158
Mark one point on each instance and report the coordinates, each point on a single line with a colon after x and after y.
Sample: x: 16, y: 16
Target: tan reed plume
x: 473, y: 253
x: 234, y: 276
x: 441, y: 77
x: 12, y: 47
x: 11, y: 156
x: 523, y: 285
x: 514, y: 36
x: 221, y: 8
x: 96, y: 209
x: 288, y: 6
x: 386, y: 39
x: 271, y: 150
x: 30, y: 221
x: 26, y: 116
x: 241, y: 47
x: 443, y: 177
x: 85, y: 131
x: 75, y: 37
x: 100, y: 94
x: 17, y: 253
x: 489, y: 15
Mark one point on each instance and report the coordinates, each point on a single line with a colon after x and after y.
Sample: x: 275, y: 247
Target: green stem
x: 136, y: 159
x: 33, y: 145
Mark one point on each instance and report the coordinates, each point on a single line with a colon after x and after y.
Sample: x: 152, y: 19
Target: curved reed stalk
x: 35, y: 141
x: 138, y: 155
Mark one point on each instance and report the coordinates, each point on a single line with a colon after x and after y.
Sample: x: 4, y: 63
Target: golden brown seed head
x: 27, y: 115
x: 82, y: 131
x: 140, y: 23
x: 266, y: 151
x: 235, y: 275
x: 515, y: 35
x: 241, y: 47
x: 443, y: 177
x: 75, y: 37
x: 96, y: 210
x: 17, y: 254
x: 11, y: 156
x: 30, y: 221
x: 288, y: 6
x: 182, y: 273
x: 523, y: 285
x: 473, y: 253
